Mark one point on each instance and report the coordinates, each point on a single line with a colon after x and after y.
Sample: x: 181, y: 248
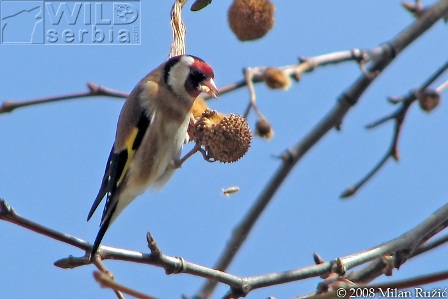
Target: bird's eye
x: 196, y: 76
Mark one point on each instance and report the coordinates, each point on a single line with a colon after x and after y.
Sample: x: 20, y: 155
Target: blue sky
x: 53, y: 155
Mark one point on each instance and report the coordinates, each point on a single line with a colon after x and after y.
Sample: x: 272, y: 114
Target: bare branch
x: 93, y: 90
x: 106, y: 282
x: 170, y: 264
x: 305, y: 65
x: 398, y: 116
x: 194, y: 150
x: 401, y: 248
x: 107, y: 276
x: 442, y: 87
x: 257, y: 73
x: 7, y: 213
x: 249, y: 75
x: 392, y: 152
x: 385, y: 264
x: 430, y: 245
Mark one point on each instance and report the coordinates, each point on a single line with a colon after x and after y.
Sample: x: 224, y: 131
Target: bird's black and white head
x: 189, y: 76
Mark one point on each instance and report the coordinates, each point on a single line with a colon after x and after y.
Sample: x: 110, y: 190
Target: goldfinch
x: 151, y: 131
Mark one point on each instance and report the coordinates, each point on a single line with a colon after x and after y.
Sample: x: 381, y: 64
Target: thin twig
x: 442, y: 87
x: 391, y: 153
x: 252, y: 96
x: 178, y: 163
x: 398, y: 116
x: 106, y: 282
x: 106, y: 273
x: 7, y: 213
x: 93, y: 90
x: 430, y: 245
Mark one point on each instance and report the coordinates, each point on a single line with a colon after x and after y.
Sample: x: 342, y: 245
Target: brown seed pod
x: 199, y: 106
x: 428, y: 100
x: 251, y: 19
x: 277, y: 79
x: 264, y: 129
x: 226, y: 138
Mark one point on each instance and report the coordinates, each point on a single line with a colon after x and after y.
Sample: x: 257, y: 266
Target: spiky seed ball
x: 251, y: 19
x: 202, y: 124
x: 226, y: 138
x: 428, y: 100
x: 277, y: 79
x: 264, y: 129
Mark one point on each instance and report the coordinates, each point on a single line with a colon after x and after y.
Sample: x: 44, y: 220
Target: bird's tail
x: 115, y: 204
x: 105, y: 223
x: 103, y: 228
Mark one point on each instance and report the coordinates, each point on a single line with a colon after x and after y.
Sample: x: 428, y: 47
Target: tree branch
x: 93, y: 90
x: 106, y: 282
x: 257, y: 73
x: 398, y: 116
x: 401, y: 248
x: 170, y: 264
x: 105, y: 277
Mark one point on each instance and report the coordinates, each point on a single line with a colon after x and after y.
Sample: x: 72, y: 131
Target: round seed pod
x: 226, y: 138
x: 277, y: 79
x: 264, y: 129
x: 428, y: 100
x: 251, y: 19
x: 199, y: 106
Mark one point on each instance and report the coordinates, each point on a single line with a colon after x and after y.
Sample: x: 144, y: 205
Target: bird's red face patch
x: 203, y: 67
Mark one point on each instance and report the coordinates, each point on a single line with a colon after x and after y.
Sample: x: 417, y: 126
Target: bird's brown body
x: 151, y: 131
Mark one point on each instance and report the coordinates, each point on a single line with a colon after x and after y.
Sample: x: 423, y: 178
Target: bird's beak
x: 208, y: 86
